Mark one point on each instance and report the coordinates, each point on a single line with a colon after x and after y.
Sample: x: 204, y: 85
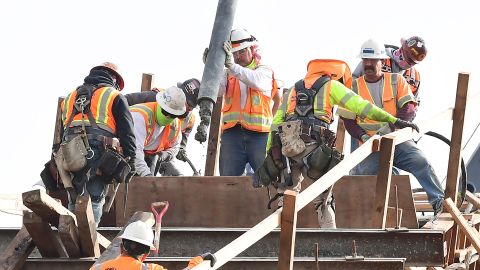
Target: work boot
x: 437, y: 209
x: 326, y: 217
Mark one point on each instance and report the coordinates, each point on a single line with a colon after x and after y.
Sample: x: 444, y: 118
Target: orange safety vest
x: 187, y: 122
x: 257, y: 113
x: 411, y: 75
x: 100, y: 106
x: 395, y: 94
x: 170, y: 133
x: 124, y: 262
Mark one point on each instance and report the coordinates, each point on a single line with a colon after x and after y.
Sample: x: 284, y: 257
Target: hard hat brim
x: 119, y: 77
x: 244, y: 45
x: 138, y: 240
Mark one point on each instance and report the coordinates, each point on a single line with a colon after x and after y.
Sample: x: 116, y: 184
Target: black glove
x: 403, y: 124
x: 164, y: 156
x: 182, y: 155
x: 209, y: 256
x: 268, y: 172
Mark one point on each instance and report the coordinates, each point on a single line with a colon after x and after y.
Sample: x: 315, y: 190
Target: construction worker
x: 157, y: 129
x: 190, y: 88
x: 94, y: 115
x: 391, y: 92
x: 301, y: 144
x: 400, y: 60
x: 247, y: 110
x: 137, y: 241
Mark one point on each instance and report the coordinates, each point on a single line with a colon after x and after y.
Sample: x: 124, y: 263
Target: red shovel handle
x: 158, y: 216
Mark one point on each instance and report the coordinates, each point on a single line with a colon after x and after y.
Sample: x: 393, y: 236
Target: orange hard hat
x: 113, y: 69
x: 414, y: 49
x: 336, y: 69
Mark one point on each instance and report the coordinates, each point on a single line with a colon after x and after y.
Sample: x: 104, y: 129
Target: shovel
x: 158, y: 222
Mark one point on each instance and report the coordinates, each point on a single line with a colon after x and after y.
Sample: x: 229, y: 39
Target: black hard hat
x: 191, y: 88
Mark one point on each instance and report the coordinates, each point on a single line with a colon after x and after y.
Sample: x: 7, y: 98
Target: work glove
x: 364, y: 137
x: 268, y: 172
x: 209, y: 256
x: 164, y: 156
x: 229, y: 61
x: 204, y: 56
x: 182, y: 155
x: 403, y: 124
x: 199, y: 259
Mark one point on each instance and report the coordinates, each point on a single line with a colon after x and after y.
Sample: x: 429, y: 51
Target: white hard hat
x: 241, y: 39
x: 371, y: 49
x: 139, y: 232
x: 172, y: 100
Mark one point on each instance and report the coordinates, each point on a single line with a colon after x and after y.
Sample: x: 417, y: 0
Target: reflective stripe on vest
x: 389, y: 100
x: 169, y: 133
x: 322, y: 107
x: 257, y: 113
x: 100, y: 106
x: 187, y: 122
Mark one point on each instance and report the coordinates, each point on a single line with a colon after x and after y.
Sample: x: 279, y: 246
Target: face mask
x: 162, y: 120
x: 400, y: 60
x: 252, y: 64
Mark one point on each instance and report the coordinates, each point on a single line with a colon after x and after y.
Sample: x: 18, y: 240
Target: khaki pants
x: 326, y: 216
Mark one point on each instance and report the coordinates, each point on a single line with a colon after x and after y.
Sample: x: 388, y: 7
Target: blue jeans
x: 240, y: 146
x: 410, y: 158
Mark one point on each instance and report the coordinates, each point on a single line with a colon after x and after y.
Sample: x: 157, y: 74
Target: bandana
x: 162, y: 120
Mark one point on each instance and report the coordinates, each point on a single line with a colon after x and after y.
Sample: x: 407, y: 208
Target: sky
x: 48, y: 47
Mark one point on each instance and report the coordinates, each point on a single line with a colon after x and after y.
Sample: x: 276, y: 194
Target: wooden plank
x: 113, y: 250
x: 391, y: 221
x: 471, y: 198
x: 421, y: 196
x: 45, y: 206
x: 16, y: 253
x: 103, y: 242
x: 42, y: 234
x: 456, y: 141
x: 57, y: 134
x: 470, y: 233
x: 382, y: 193
x: 147, y: 82
x: 287, y: 233
x: 354, y: 201
x: 213, y: 138
x: 227, y: 197
x: 68, y: 232
x: 86, y: 227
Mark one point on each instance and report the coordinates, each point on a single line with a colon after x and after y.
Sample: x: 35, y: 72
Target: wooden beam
x: 382, y: 193
x: 86, y: 227
x: 214, y: 138
x: 287, y: 233
x: 57, y: 134
x: 391, y: 221
x: 113, y: 250
x: 42, y: 234
x: 68, y: 232
x: 45, y: 206
x: 16, y: 253
x: 456, y: 141
x: 103, y: 242
x: 470, y: 233
x: 147, y: 82
x: 471, y: 198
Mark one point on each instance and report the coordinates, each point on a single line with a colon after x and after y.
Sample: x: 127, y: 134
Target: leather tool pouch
x: 292, y: 144
x: 50, y: 177
x: 74, y: 153
x: 113, y: 166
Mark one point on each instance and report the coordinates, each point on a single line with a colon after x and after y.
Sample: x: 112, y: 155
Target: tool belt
x: 317, y: 133
x: 113, y: 166
x: 105, y: 141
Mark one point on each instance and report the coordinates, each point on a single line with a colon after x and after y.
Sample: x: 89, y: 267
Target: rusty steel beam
x: 240, y: 263
x: 419, y: 247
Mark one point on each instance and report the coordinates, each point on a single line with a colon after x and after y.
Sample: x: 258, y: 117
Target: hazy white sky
x: 48, y: 47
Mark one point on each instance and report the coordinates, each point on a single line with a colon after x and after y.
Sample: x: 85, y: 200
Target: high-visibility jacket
x: 411, y: 75
x: 257, y: 113
x: 124, y: 262
x: 396, y: 93
x: 170, y: 133
x: 187, y: 122
x: 332, y: 93
x: 100, y: 106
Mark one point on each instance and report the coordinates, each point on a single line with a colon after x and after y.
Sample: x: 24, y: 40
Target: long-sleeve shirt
x: 341, y: 95
x: 259, y: 78
x: 152, y: 145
